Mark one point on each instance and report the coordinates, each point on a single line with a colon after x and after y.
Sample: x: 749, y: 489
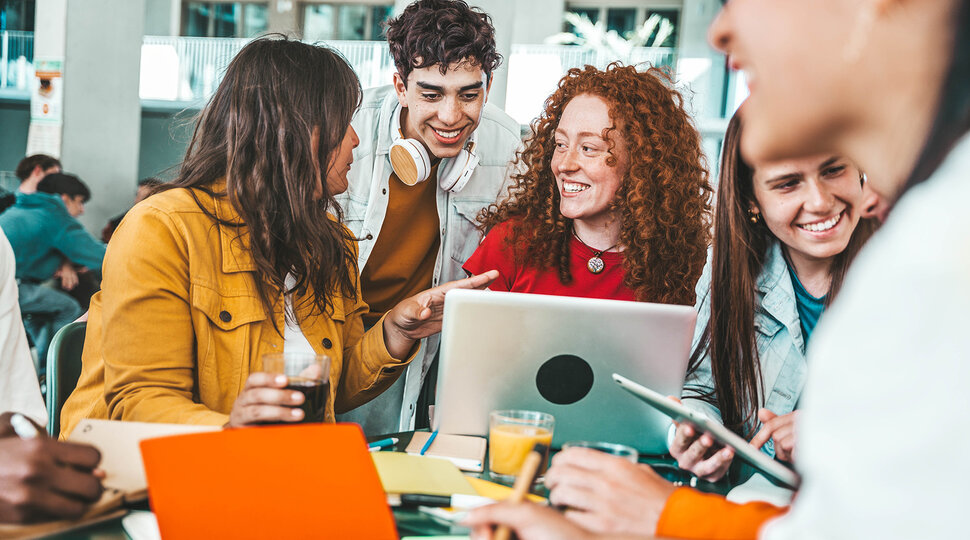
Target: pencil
x: 523, y: 482
x: 383, y: 443
x: 428, y: 443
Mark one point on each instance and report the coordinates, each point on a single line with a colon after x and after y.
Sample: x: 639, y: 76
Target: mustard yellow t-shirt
x: 402, y: 261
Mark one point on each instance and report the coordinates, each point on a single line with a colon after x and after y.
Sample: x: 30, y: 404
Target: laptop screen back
x: 556, y: 354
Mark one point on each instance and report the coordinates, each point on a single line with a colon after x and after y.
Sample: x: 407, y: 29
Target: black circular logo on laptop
x: 564, y: 379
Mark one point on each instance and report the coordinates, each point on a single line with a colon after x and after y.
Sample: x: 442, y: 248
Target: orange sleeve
x: 692, y: 514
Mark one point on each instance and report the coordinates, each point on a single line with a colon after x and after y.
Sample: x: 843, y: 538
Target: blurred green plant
x: 654, y: 32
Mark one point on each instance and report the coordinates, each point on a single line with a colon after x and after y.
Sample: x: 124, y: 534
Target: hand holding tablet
x: 698, y: 452
x: 773, y: 470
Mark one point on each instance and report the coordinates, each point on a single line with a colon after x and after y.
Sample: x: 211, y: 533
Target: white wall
x: 102, y: 111
x: 163, y: 17
x: 535, y: 20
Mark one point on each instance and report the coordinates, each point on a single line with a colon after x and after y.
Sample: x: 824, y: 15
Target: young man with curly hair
x: 433, y: 153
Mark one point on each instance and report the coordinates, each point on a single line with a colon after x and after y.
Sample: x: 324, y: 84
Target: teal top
x: 42, y: 233
x: 809, y: 308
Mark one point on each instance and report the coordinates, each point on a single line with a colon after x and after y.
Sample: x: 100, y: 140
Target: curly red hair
x: 663, y: 202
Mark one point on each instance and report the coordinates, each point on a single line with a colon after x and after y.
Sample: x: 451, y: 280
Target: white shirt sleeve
x: 19, y: 388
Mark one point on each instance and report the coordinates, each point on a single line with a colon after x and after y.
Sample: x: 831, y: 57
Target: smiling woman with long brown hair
x: 238, y: 257
x: 612, y: 200
x: 785, y: 233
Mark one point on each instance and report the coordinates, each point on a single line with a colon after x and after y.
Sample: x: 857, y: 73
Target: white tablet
x: 773, y: 470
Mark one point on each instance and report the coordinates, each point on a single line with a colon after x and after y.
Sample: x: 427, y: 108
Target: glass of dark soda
x: 308, y: 374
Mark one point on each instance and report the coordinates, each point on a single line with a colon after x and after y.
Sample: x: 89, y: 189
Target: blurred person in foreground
x: 40, y: 479
x: 888, y: 86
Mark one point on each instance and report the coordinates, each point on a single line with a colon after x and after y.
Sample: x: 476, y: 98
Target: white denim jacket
x: 364, y: 203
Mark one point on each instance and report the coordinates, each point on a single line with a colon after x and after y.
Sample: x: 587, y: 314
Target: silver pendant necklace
x: 595, y: 264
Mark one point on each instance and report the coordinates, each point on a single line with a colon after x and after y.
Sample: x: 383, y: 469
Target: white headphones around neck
x: 412, y: 164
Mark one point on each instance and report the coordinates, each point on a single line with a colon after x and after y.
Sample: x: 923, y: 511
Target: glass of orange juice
x: 511, y: 435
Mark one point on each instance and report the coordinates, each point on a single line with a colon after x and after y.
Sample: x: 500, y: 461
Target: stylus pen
x: 523, y: 482
x: 383, y: 443
x: 442, y: 501
x: 24, y: 428
x: 427, y: 444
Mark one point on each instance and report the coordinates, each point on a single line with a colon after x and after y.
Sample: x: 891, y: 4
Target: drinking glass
x: 308, y: 374
x: 511, y: 436
x: 620, y: 450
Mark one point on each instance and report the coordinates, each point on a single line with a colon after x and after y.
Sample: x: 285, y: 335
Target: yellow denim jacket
x: 179, y: 326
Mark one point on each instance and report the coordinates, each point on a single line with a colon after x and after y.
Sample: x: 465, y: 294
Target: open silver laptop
x: 556, y: 354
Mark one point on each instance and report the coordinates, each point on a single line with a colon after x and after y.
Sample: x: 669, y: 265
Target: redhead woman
x: 238, y: 257
x: 613, y: 199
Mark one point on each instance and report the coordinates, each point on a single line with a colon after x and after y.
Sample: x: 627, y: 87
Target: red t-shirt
x: 495, y: 254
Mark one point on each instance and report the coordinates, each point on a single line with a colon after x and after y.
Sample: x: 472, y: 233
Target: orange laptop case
x: 300, y: 481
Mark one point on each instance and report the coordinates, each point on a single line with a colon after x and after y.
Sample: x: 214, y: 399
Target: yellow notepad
x: 497, y: 491
x: 404, y: 473
x: 485, y: 489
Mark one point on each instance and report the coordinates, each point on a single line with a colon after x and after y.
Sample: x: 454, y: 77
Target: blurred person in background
x: 31, y: 170
x: 43, y: 230
x: 146, y: 186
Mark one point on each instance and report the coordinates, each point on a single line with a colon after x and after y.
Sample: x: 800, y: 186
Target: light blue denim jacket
x: 365, y: 204
x: 778, y: 335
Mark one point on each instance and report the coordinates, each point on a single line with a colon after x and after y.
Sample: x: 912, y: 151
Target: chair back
x: 63, y: 370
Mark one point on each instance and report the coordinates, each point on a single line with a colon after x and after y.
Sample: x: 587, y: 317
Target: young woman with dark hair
x: 612, y: 200
x: 784, y: 235
x: 239, y: 257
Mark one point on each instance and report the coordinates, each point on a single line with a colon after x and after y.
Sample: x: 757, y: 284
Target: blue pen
x: 428, y: 444
x: 383, y: 443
